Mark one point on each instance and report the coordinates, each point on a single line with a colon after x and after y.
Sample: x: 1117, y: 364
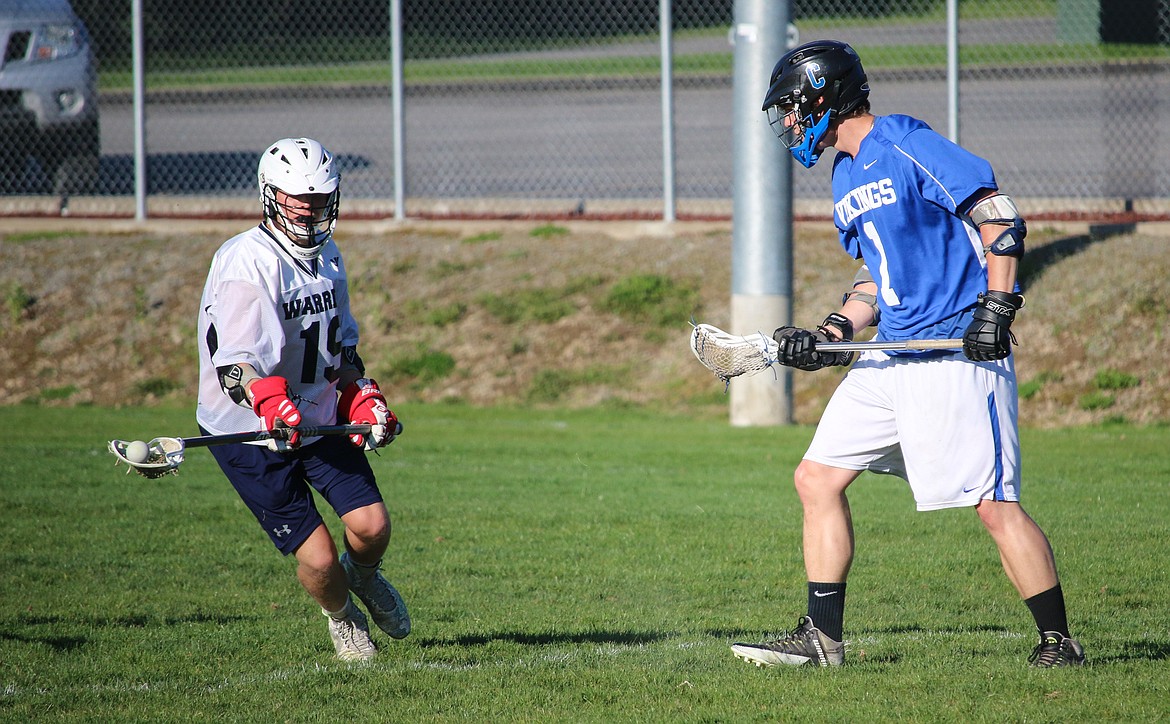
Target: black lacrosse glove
x: 798, y: 347
x: 989, y: 336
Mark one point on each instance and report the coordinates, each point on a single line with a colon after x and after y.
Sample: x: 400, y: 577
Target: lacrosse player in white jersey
x: 278, y: 346
x: 940, y: 246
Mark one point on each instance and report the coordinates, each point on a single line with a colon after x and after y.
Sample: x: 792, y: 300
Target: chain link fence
x: 553, y: 101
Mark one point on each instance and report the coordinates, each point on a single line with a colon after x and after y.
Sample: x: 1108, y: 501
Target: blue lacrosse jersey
x: 897, y: 205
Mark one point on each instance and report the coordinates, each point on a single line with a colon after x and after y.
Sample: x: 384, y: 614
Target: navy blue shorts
x: 277, y: 487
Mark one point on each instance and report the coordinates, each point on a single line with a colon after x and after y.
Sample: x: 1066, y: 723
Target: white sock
x: 340, y: 615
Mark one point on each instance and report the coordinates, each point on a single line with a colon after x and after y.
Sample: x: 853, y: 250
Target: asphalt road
x: 1051, y: 132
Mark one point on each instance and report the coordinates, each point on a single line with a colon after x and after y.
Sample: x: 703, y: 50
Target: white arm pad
x: 998, y: 209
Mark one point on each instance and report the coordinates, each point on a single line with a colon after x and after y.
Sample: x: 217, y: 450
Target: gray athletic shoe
x: 1055, y: 650
x: 802, y: 645
x: 351, y: 635
x: 386, y: 607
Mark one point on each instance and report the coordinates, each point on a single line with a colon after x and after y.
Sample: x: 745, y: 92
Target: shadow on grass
x: 59, y: 644
x: 137, y: 621
x: 1133, y: 651
x: 64, y: 643
x: 913, y: 629
x: 1037, y: 259
x: 629, y: 638
x: 741, y: 634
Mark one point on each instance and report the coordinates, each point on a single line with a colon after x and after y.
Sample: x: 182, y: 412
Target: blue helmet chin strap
x: 806, y: 152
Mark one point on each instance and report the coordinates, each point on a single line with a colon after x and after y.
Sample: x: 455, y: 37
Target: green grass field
x: 566, y: 565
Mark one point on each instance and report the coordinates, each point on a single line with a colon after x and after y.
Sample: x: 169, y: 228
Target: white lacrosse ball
x: 137, y: 452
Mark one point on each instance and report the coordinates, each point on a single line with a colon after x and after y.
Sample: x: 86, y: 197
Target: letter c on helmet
x: 818, y: 81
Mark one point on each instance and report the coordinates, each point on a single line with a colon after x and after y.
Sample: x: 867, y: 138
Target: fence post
x: 953, y: 70
x: 139, y: 72
x: 761, y: 265
x: 396, y: 109
x: 666, y: 33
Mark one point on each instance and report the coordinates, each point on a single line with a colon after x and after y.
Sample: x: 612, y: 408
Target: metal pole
x: 396, y: 109
x: 953, y: 70
x: 666, y: 32
x: 761, y: 265
x: 139, y: 72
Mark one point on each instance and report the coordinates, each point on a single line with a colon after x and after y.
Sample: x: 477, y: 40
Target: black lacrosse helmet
x: 811, y: 85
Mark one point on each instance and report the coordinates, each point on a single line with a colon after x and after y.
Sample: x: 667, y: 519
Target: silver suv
x: 48, y: 99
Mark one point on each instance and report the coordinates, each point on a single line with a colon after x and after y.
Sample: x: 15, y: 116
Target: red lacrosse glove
x: 363, y: 403
x: 270, y: 402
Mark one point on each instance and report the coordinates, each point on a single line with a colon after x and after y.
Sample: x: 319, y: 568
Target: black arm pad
x: 234, y: 379
x: 350, y: 359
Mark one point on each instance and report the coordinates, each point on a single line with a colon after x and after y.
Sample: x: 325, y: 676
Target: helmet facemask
x: 306, y: 220
x: 802, y: 124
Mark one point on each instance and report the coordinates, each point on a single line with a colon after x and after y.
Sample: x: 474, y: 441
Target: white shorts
x: 945, y: 424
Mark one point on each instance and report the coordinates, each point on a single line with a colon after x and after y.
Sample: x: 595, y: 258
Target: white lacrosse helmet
x: 304, y: 169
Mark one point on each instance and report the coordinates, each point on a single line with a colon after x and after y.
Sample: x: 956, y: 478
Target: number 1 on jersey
x: 889, y: 296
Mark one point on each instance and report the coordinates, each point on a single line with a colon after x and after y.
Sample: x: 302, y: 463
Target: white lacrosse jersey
x: 281, y: 315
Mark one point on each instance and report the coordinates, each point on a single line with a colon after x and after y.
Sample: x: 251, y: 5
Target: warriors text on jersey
x: 897, y: 206
x: 281, y: 315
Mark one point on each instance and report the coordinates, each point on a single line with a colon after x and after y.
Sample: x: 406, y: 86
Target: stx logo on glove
x: 994, y: 305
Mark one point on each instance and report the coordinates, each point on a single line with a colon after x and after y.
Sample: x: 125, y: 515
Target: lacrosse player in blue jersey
x: 277, y: 343
x: 940, y: 247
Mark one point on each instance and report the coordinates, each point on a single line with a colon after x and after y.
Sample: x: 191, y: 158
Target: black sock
x: 1048, y: 610
x: 826, y: 607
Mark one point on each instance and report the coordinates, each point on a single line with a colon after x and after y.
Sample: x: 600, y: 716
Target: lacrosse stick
x: 163, y: 455
x: 730, y: 355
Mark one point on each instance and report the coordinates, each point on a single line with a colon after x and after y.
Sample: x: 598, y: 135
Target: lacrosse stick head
x: 729, y: 355
x: 163, y: 457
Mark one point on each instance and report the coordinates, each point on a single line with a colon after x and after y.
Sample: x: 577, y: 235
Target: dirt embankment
x: 527, y: 313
